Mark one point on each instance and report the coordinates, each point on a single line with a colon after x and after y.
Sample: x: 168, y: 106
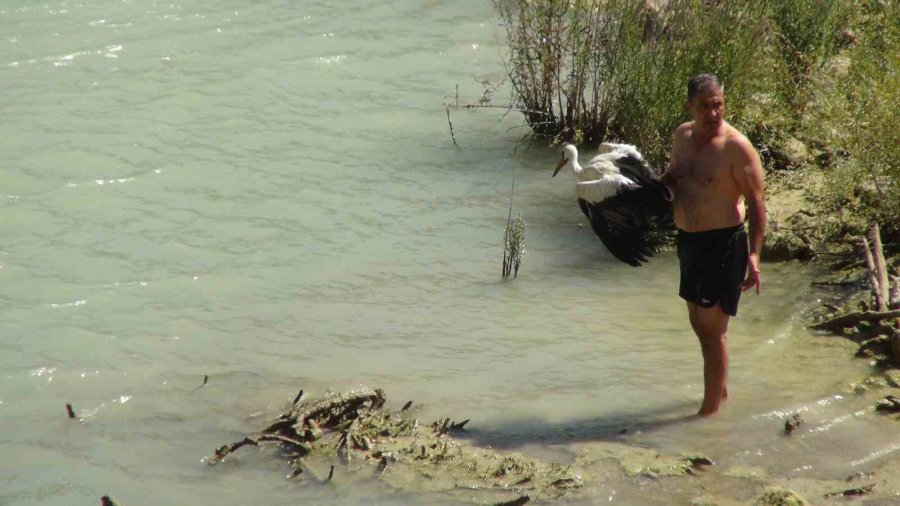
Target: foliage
x: 514, y: 247
x: 808, y: 33
x: 821, y: 71
x: 593, y: 70
x: 853, y: 116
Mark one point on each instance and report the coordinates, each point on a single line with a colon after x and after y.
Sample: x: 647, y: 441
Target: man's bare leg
x: 711, y: 327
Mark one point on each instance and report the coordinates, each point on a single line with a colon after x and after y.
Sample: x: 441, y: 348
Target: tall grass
x: 854, y: 115
x: 592, y: 70
x: 588, y: 71
x: 808, y: 33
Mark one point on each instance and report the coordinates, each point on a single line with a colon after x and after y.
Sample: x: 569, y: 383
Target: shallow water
x: 268, y: 194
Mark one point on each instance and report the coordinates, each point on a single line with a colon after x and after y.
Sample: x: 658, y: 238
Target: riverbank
x: 373, y: 439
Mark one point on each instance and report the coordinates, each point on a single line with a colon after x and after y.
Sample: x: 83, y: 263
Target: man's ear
x: 687, y: 106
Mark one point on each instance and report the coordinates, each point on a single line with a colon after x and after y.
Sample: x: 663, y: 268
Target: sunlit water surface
x: 267, y: 193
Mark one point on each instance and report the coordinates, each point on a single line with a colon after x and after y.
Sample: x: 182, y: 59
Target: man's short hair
x: 702, y: 82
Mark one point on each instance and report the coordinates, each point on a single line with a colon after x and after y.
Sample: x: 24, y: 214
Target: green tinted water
x: 267, y: 193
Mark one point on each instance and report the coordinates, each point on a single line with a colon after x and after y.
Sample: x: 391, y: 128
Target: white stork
x: 622, y: 197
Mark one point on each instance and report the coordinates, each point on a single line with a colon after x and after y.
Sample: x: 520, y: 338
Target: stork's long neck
x: 576, y: 167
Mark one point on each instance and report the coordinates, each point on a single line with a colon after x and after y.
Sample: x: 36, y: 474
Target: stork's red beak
x: 562, y: 161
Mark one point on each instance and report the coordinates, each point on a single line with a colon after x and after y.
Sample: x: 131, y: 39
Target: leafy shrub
x: 853, y: 115
x: 591, y: 70
x: 807, y: 34
x: 824, y: 71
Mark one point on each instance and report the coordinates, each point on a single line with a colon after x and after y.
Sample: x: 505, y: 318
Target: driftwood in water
x: 890, y: 404
x: 851, y: 319
x: 871, y: 274
x: 881, y: 273
x: 876, y: 268
x: 521, y: 501
x: 850, y: 492
x: 792, y: 423
x: 356, y: 428
x: 885, y: 298
x: 307, y: 422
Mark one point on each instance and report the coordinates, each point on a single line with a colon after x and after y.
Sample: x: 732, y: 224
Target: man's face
x: 708, y: 109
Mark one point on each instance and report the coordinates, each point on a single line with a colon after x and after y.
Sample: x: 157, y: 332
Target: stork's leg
x: 711, y: 327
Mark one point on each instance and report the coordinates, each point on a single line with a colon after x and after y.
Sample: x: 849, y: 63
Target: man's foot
x: 709, y: 407
x: 705, y: 412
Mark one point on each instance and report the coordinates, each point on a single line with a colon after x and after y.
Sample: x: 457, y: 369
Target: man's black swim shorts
x: 713, y: 266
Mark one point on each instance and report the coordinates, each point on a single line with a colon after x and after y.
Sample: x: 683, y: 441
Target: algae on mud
x: 374, y: 442
x: 357, y: 428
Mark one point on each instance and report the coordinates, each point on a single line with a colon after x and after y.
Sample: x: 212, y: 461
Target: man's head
x: 706, y: 101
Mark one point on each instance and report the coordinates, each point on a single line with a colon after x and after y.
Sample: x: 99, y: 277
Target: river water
x: 267, y: 193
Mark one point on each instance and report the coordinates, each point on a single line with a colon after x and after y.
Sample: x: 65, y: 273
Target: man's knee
x: 710, y: 324
x: 712, y: 338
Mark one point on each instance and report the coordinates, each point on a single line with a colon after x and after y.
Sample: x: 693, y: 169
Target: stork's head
x: 568, y: 156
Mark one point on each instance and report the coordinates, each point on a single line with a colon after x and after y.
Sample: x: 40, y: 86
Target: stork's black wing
x: 633, y: 222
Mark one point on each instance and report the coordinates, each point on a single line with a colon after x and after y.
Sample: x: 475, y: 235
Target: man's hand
x: 752, y: 274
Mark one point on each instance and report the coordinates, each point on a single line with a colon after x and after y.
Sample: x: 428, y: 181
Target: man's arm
x: 748, y: 172
x: 668, y: 177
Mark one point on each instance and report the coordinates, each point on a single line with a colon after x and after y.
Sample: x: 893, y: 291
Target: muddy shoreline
x: 361, y: 437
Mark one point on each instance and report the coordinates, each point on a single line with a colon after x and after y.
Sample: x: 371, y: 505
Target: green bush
x: 822, y: 71
x: 807, y: 34
x: 853, y: 115
x: 592, y: 70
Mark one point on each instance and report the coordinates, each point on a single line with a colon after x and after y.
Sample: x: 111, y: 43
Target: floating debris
x: 792, y: 423
x: 891, y: 404
x: 515, y: 502
x: 699, y: 461
x: 851, y: 492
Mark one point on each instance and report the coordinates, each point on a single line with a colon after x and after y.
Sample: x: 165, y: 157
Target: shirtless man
x: 713, y: 171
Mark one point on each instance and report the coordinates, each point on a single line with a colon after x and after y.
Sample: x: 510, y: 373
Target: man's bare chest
x: 703, y: 169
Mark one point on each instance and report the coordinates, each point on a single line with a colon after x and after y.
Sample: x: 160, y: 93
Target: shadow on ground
x: 617, y: 427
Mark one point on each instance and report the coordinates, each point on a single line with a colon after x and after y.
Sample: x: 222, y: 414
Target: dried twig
x: 452, y: 135
x: 225, y: 450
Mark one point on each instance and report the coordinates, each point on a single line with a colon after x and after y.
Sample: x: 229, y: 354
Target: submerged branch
x: 851, y: 319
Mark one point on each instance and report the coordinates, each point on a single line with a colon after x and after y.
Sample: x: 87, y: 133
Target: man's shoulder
x: 684, y: 128
x: 734, y: 139
x: 683, y: 131
x: 741, y: 151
